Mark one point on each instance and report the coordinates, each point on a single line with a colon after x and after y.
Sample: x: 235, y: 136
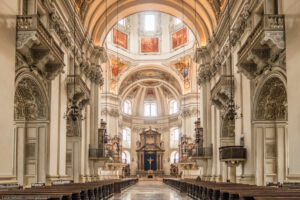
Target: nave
x: 97, y: 95
x: 150, y: 190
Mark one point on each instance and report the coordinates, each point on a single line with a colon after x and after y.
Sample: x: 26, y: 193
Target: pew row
x: 231, y: 191
x: 72, y: 191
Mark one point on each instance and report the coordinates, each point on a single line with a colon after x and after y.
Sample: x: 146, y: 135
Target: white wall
x: 9, y: 10
x: 291, y: 9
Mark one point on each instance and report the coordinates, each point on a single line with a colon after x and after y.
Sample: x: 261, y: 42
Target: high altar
x: 150, y: 154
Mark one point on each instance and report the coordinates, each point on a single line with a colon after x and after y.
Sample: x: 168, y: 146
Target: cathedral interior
x: 150, y: 99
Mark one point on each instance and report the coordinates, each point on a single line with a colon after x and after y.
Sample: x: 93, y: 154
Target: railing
x: 267, y: 23
x: 99, y: 153
x: 233, y: 153
x: 32, y: 23
x: 205, y: 152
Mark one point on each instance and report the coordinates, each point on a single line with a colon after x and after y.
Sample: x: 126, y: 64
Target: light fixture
x: 73, y: 111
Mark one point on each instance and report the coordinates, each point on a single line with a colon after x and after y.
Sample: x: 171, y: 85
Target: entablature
x: 220, y: 94
x: 37, y: 46
x: 263, y: 47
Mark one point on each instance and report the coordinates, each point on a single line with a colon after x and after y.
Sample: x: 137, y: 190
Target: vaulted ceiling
x: 99, y: 16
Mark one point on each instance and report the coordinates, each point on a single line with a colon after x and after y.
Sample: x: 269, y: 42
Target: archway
x: 270, y: 128
x: 31, y: 118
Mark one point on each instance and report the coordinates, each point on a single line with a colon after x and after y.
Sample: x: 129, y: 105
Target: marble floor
x: 150, y: 190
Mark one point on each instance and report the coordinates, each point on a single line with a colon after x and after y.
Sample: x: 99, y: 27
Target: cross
x: 150, y: 161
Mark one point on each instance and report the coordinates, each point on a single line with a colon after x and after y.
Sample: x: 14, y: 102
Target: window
x: 173, y: 107
x: 121, y: 22
x: 126, y: 137
x: 125, y: 157
x: 174, y: 138
x: 178, y: 21
x: 150, y: 109
x: 149, y: 22
x: 127, y: 107
x: 174, y: 158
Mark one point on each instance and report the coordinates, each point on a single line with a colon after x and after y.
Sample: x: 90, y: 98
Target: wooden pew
x: 232, y: 191
x: 76, y: 191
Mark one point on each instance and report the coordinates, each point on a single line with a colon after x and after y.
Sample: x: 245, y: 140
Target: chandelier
x: 73, y: 111
x: 231, y: 107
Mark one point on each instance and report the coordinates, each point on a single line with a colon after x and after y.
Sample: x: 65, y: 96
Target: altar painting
x: 149, y: 45
x: 150, y: 161
x: 120, y: 38
x: 179, y: 38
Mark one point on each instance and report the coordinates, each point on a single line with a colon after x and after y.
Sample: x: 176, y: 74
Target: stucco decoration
x: 29, y: 101
x: 272, y: 101
x: 204, y: 74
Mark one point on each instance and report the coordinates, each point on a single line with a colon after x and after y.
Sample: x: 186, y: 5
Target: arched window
x: 178, y: 21
x: 174, y: 158
x: 126, y: 137
x: 174, y: 138
x: 173, y: 107
x: 149, y: 22
x: 121, y: 22
x: 150, y: 109
x: 125, y: 157
x: 127, y: 107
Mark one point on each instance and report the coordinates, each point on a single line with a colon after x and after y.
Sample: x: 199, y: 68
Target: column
x: 208, y: 130
x: 291, y: 9
x: 9, y: 10
x: 53, y: 138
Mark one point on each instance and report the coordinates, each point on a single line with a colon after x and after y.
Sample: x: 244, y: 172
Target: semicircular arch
x: 202, y: 24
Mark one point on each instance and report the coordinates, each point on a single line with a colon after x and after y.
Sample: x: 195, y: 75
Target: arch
x: 143, y: 73
x: 202, y: 24
x: 31, y: 102
x: 135, y: 69
x: 130, y: 87
x: 270, y: 102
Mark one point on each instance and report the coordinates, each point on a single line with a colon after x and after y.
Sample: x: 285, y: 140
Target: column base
x: 8, y: 179
x: 246, y: 179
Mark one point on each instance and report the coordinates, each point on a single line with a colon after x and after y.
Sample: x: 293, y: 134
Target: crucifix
x: 150, y: 161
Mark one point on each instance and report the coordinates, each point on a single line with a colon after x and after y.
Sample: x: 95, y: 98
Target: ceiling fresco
x: 117, y: 67
x: 183, y: 66
x: 157, y: 75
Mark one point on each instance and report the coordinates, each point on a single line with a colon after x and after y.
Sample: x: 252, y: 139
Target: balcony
x: 77, y: 90
x: 263, y: 47
x: 200, y: 152
x: 38, y: 47
x: 233, y: 154
x: 98, y: 154
x: 220, y: 94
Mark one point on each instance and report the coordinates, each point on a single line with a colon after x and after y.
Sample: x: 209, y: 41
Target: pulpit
x: 150, y: 154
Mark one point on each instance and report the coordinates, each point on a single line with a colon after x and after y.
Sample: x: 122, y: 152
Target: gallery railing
x: 202, y: 152
x: 99, y: 153
x: 232, y: 153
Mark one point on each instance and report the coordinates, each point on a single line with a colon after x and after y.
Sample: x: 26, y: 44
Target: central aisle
x: 150, y: 190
